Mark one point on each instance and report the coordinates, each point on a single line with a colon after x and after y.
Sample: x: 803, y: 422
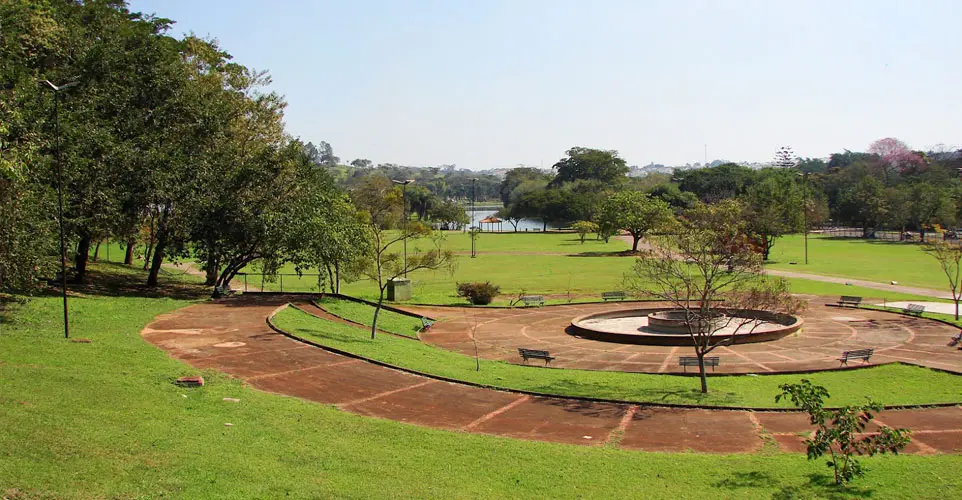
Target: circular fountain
x: 667, y: 326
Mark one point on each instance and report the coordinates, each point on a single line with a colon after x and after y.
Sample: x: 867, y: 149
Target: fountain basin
x: 667, y: 326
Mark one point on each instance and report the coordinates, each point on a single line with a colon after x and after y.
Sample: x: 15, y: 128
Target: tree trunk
x: 634, y: 243
x: 81, y: 258
x: 957, y: 309
x: 97, y: 250
x: 701, y: 371
x: 148, y: 252
x: 337, y: 277
x: 377, y: 311
x: 129, y: 255
x: 159, y: 248
x: 212, y: 271
x: 544, y: 225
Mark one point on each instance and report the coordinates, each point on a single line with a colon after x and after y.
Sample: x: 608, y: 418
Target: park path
x: 231, y: 335
x: 925, y: 292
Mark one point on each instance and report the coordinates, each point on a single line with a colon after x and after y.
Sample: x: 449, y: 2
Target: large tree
x: 634, y: 212
x: 775, y: 204
x: 590, y: 165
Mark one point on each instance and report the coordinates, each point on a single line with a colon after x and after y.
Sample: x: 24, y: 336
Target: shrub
x: 478, y: 294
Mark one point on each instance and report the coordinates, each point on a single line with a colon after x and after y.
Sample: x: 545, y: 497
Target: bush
x: 478, y: 294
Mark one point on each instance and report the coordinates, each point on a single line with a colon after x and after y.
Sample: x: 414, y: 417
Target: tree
x: 842, y: 432
x: 949, y: 256
x: 584, y: 227
x: 811, y: 165
x: 518, y: 176
x: 511, y: 214
x: 327, y: 157
x: 895, y: 156
x: 381, y: 208
x: 361, y: 163
x: 716, y: 183
x: 775, y: 207
x: 590, y: 164
x: 707, y: 258
x: 449, y: 214
x: 634, y: 212
x: 785, y: 158
x: 863, y: 203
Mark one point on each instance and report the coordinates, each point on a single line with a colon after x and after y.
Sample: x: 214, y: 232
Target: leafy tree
x: 381, y: 208
x: 590, y: 164
x: 949, y: 256
x: 811, y: 165
x: 634, y: 212
x: 842, y: 432
x: 716, y: 183
x: 775, y: 207
x: 361, y: 163
x: 449, y: 214
x: 895, y: 156
x: 512, y: 214
x: 583, y: 228
x: 863, y: 203
x: 327, y: 157
x: 705, y: 259
x: 515, y: 177
x: 676, y: 198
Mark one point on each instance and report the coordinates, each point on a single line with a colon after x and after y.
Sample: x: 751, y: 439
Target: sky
x: 492, y: 84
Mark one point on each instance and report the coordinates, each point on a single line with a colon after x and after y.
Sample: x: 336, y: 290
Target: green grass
x: 862, y: 259
x: 387, y: 321
x: 103, y: 420
x: 890, y: 384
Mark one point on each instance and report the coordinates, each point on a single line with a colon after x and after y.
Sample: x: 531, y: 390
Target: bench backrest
x: 916, y: 308
x: 693, y: 361
x: 612, y: 294
x: 858, y: 352
x: 533, y: 352
x: 849, y: 298
x: 532, y: 298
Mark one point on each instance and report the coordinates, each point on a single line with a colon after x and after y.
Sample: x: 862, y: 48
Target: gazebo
x: 490, y: 221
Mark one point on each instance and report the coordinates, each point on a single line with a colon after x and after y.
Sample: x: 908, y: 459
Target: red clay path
x: 232, y: 336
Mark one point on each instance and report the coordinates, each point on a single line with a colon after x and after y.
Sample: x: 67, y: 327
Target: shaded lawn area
x: 872, y: 260
x: 104, y: 420
x: 889, y: 384
x: 388, y: 321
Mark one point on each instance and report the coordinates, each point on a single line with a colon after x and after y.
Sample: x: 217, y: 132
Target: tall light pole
x: 57, y: 154
x: 474, y: 236
x: 404, y: 200
x: 805, y: 213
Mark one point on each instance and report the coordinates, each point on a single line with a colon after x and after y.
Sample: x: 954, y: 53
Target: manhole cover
x: 229, y: 344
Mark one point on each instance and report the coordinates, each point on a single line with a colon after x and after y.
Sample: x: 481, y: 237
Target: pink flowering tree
x: 895, y: 155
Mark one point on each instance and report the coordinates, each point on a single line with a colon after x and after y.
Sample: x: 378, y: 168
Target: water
x: 524, y: 225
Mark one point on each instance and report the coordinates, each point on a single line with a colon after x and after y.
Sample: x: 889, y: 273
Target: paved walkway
x: 231, y: 335
x: 925, y: 292
x: 826, y: 333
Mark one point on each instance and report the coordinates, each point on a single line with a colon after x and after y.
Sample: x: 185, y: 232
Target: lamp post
x: 805, y: 214
x: 404, y: 200
x: 474, y: 236
x: 57, y: 154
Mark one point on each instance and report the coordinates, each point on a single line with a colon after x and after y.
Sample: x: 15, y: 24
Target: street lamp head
x: 403, y: 183
x: 58, y: 88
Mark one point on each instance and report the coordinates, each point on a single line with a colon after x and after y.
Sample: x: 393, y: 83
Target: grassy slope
x: 887, y: 384
x: 864, y: 259
x: 104, y: 420
x: 387, y: 321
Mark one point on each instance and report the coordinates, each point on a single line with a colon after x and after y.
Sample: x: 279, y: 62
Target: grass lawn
x: 890, y: 384
x: 387, y: 321
x: 863, y: 259
x: 103, y: 420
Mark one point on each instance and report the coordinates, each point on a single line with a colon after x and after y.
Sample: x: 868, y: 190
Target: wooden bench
x: 848, y: 300
x: 687, y: 361
x: 426, y: 323
x: 914, y: 309
x: 530, y: 300
x: 863, y: 354
x: 606, y: 296
x: 527, y: 354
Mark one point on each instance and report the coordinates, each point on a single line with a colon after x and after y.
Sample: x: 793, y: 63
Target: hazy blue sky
x: 496, y: 83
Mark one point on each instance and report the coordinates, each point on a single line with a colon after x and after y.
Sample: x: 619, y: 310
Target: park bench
x: 863, y: 354
x: 426, y: 323
x: 687, y: 361
x: 848, y: 300
x: 527, y: 354
x: 914, y: 309
x: 530, y: 300
x: 222, y: 291
x: 606, y: 296
x: 956, y: 339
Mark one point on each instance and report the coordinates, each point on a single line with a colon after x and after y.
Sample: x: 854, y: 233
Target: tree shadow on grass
x: 106, y: 279
x: 817, y: 486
